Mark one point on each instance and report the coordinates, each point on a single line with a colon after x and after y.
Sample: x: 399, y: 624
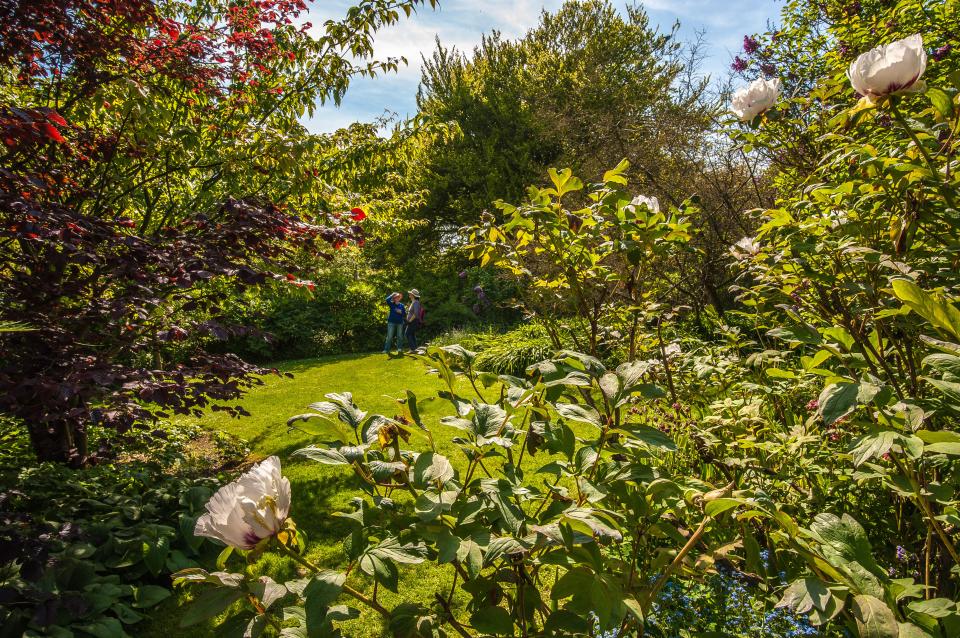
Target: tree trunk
x: 59, y: 442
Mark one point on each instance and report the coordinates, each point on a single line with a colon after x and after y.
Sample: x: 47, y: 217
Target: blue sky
x: 461, y: 23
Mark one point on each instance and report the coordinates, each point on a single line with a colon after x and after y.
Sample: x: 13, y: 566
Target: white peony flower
x: 746, y: 247
x: 752, y: 100
x: 250, y: 509
x: 889, y: 69
x: 652, y: 203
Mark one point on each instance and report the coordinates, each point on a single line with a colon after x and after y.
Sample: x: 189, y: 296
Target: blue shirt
x: 397, y: 311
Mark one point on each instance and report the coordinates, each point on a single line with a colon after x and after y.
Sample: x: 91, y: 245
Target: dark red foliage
x: 102, y: 301
x: 122, y: 307
x: 44, y: 37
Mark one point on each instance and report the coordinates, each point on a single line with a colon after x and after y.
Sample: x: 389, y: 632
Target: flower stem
x: 350, y: 591
x: 902, y: 121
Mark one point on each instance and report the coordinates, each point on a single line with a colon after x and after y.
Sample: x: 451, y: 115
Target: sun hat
x: 394, y: 294
x: 414, y: 292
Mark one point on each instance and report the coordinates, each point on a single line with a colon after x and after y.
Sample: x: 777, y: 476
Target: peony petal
x: 889, y: 69
x: 283, y: 498
x: 249, y: 509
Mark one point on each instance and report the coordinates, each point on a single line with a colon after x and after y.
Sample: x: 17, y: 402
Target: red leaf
x: 52, y: 132
x: 56, y: 118
x: 290, y: 277
x: 357, y: 214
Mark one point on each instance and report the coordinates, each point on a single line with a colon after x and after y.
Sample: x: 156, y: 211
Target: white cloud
x: 462, y: 23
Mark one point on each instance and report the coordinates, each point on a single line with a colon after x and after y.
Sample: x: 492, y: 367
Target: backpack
x: 421, y: 315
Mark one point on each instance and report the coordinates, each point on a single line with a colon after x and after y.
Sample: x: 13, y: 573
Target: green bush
x: 504, y: 350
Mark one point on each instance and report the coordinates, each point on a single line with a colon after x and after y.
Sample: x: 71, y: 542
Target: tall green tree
x: 581, y: 89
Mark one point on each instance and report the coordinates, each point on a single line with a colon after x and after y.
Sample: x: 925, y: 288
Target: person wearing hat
x: 395, y: 322
x: 414, y: 318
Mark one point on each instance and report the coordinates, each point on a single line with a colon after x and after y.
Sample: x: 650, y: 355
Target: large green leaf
x: 322, y: 455
x: 806, y: 594
x: 940, y: 442
x: 872, y: 445
x: 837, y: 401
x: 146, y: 596
x: 209, y: 604
x: 874, y: 618
x: 492, y: 620
x: 651, y: 436
x: 941, y: 314
x: 577, y: 412
x: 431, y: 467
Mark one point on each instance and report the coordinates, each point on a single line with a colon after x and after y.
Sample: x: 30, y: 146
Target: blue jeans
x: 394, y: 331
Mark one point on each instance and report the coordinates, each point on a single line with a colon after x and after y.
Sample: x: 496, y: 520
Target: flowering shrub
x: 591, y: 535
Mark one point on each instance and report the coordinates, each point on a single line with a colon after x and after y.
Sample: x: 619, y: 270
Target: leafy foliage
x: 85, y: 552
x: 153, y: 162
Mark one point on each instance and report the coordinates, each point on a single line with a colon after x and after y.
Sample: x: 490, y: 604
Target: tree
x: 581, y: 89
x: 152, y: 161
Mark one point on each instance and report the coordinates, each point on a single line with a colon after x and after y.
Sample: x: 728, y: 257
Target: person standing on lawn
x: 414, y: 318
x: 395, y: 322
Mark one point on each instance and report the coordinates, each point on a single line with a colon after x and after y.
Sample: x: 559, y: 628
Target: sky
x: 461, y: 23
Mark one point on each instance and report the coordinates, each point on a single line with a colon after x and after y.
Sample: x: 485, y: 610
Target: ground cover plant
x: 88, y: 552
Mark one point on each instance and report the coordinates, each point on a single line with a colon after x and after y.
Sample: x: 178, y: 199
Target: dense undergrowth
x: 89, y: 552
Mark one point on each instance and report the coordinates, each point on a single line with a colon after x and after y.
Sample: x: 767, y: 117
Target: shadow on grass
x: 303, y: 365
x: 313, y: 507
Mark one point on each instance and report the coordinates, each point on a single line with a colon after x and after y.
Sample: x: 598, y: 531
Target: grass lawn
x: 320, y: 490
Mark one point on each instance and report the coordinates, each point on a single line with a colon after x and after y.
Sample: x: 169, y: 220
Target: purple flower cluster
x: 739, y: 64
x: 750, y: 45
x: 942, y: 52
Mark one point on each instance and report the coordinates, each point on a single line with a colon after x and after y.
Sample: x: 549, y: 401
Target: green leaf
x: 322, y: 455
x: 156, y: 556
x: 471, y: 556
x: 796, y: 334
x: 942, y: 315
x: 615, y: 175
x: 837, y: 400
x: 874, y: 618
x: 651, y: 436
x: 209, y: 604
x: 105, y: 628
x: 323, y: 589
x: 577, y: 412
x: 414, y: 409
x: 146, y: 596
x: 492, y: 620
x: 575, y: 581
x: 431, y: 467
x: 567, y: 623
x: 935, y: 607
x: 844, y: 537
x: 383, y: 571
x: 941, y: 101
x: 564, y: 181
x: 720, y: 505
x: 871, y: 446
x: 804, y: 595
x: 940, y: 442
